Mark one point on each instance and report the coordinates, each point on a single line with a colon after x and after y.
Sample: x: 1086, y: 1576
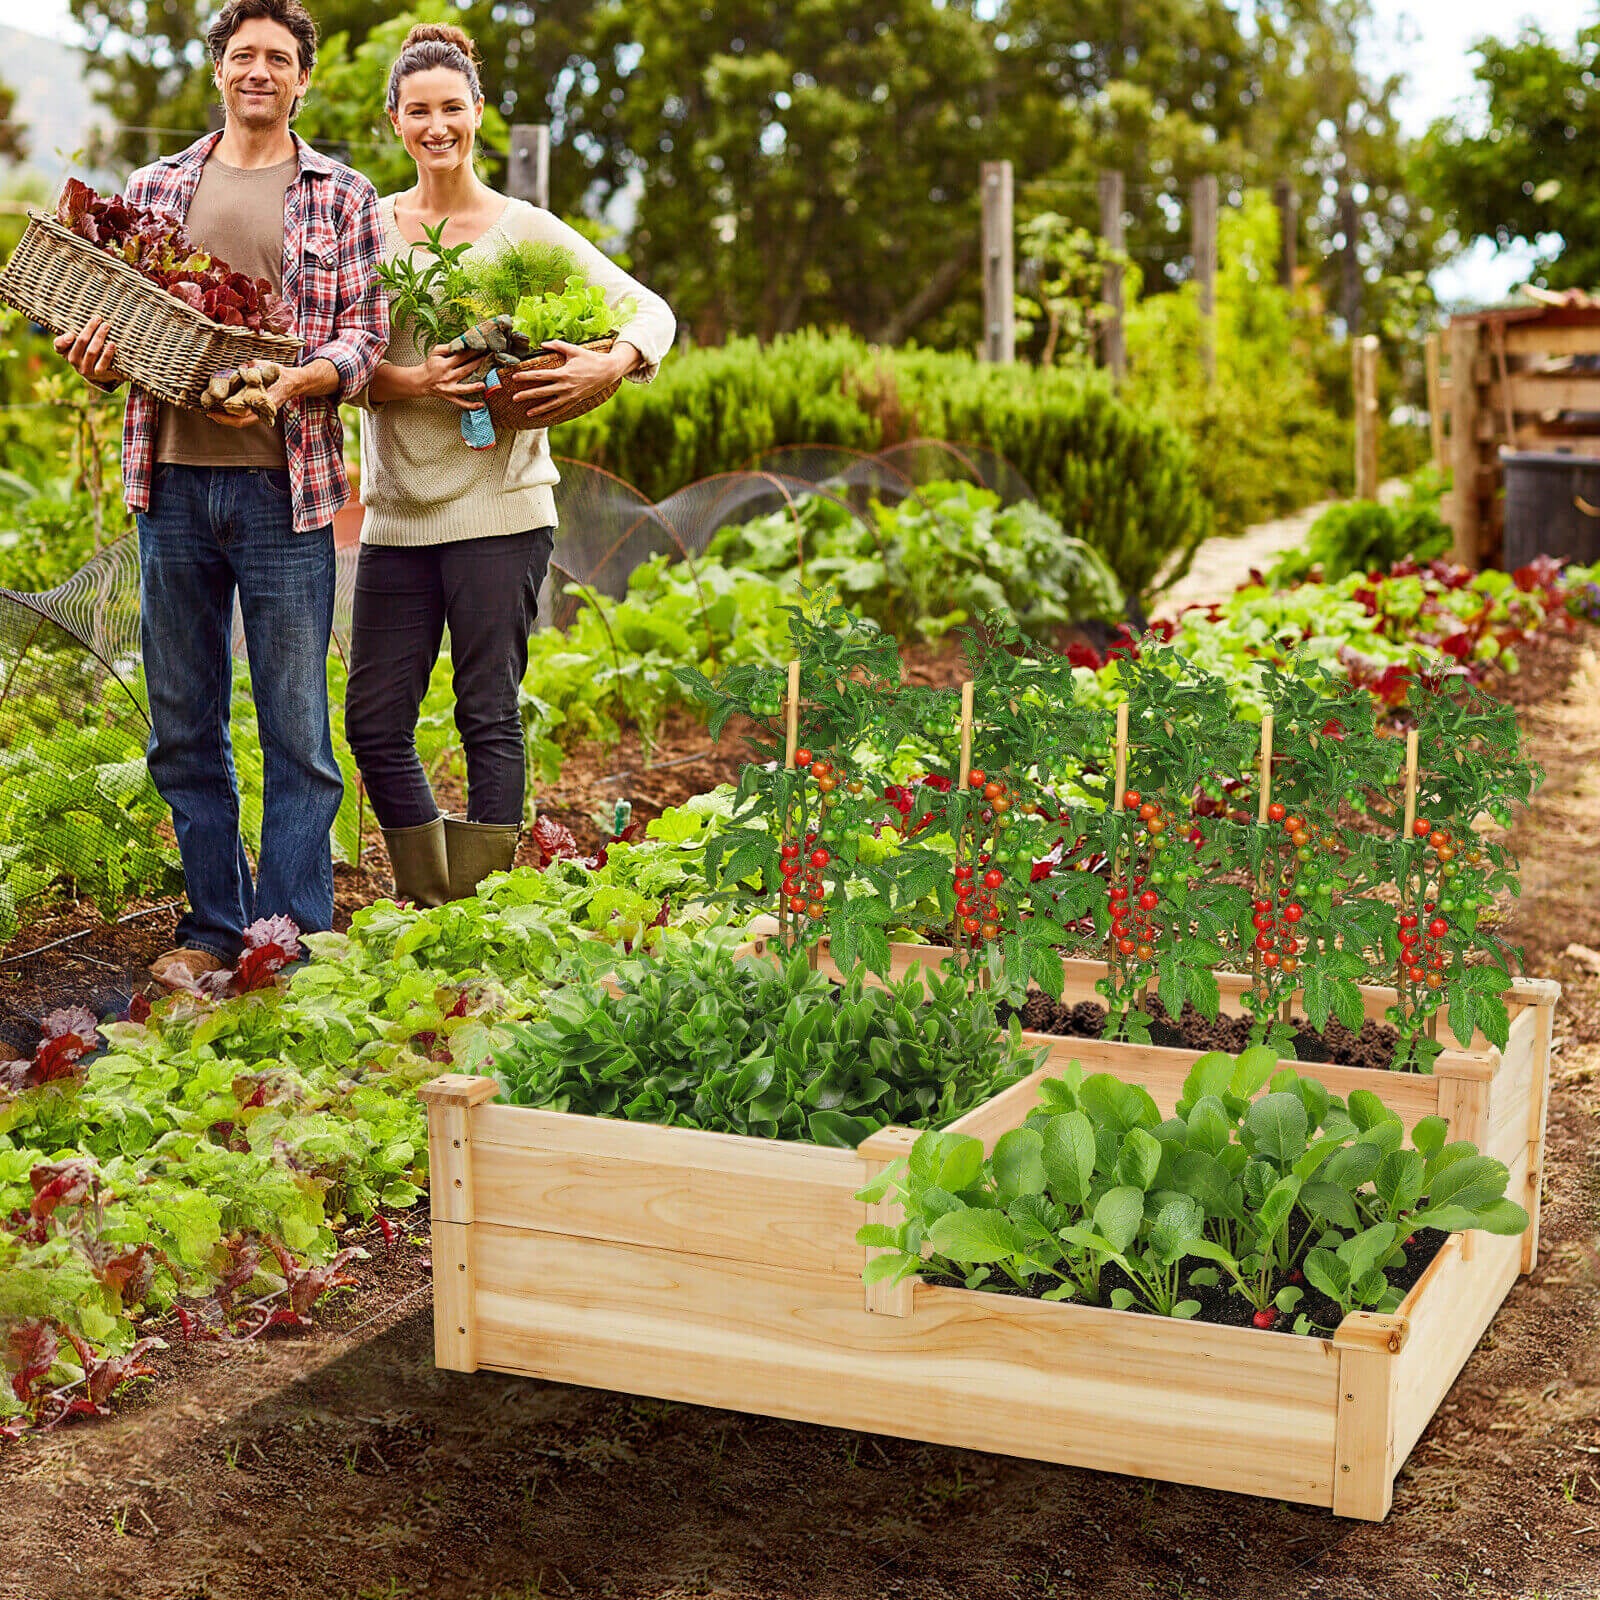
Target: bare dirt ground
x: 345, y: 1467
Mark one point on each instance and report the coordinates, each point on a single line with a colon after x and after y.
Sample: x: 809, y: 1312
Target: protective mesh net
x: 77, y: 808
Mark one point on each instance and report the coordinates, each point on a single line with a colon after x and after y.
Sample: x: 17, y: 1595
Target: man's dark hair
x: 288, y: 14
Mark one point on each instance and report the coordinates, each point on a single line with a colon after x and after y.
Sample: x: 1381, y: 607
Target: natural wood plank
x: 1531, y: 394
x: 1538, y: 1103
x: 1448, y: 1309
x: 1531, y: 339
x: 1465, y: 511
x: 527, y: 1128
x: 1363, y: 1453
x: 452, y: 1100
x: 1224, y: 1408
x: 678, y: 1205
x: 1508, y: 1119
x: 454, y: 1335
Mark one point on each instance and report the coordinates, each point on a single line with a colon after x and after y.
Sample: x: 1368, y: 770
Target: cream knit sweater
x: 420, y: 482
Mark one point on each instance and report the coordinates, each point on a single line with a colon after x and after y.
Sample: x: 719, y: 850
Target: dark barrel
x: 1552, y: 506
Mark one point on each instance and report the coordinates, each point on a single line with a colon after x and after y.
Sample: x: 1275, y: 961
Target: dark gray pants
x: 486, y: 591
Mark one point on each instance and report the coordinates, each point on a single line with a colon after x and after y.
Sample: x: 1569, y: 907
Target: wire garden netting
x: 78, y: 812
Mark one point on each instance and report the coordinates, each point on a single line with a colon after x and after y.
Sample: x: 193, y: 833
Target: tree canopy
x: 1533, y: 167
x: 816, y: 161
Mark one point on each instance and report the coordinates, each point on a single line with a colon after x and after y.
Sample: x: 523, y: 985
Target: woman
x: 453, y: 537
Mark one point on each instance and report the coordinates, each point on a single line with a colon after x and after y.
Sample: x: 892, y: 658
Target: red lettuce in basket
x: 157, y: 244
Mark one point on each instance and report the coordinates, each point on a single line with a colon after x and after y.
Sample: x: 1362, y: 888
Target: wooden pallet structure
x: 1513, y: 377
x: 724, y: 1271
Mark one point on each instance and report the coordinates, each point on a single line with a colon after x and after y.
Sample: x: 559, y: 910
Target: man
x: 249, y: 511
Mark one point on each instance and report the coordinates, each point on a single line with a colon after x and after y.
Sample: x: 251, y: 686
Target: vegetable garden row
x: 1220, y: 833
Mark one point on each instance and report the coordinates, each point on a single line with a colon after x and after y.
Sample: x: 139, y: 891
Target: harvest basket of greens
x: 177, y: 314
x: 505, y: 306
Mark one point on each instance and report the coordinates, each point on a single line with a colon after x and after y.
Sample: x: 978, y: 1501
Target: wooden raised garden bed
x: 724, y: 1271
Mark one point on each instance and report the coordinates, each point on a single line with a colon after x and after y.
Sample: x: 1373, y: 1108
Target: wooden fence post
x: 1465, y: 515
x: 1288, y: 204
x: 1364, y: 373
x: 528, y: 171
x: 1203, y: 234
x: 999, y: 273
x: 1113, y: 352
x: 1431, y: 355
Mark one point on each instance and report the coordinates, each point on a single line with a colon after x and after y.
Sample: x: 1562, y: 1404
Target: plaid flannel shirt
x: 332, y: 244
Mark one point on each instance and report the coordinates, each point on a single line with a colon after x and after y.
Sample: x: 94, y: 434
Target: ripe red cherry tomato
x: 820, y: 858
x: 1127, y: 946
x: 1132, y: 800
x: 1293, y: 912
x: 1421, y: 828
x: 797, y: 903
x: 802, y: 758
x: 970, y: 925
x: 993, y: 878
x: 1119, y: 893
x: 1408, y: 919
x: 790, y: 851
x: 1149, y: 900
x: 964, y: 891
x: 993, y: 789
x: 1263, y: 941
x: 963, y: 872
x: 816, y: 910
x: 1438, y: 928
x: 1269, y: 958
x: 1276, y: 812
x: 1148, y: 810
x: 975, y: 778
x: 1262, y: 920
x: 1438, y: 837
x: 1261, y: 905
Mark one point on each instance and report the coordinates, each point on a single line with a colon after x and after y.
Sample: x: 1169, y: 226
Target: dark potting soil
x: 1222, y: 1305
x: 1336, y: 1044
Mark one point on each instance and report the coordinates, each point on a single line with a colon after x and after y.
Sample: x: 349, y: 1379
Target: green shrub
x: 1364, y: 536
x: 1123, y: 481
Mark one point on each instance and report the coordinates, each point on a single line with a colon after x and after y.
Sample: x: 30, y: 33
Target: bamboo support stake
x: 1266, y: 769
x: 966, y: 734
x: 1411, y: 781
x: 1122, y: 757
x: 791, y: 742
x: 792, y: 716
x: 963, y: 769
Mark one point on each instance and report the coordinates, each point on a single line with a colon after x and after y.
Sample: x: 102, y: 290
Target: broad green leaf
x: 1018, y: 1163
x: 1399, y: 1179
x: 975, y: 1235
x: 1277, y: 1123
x: 1119, y: 1215
x: 1068, y: 1151
x: 1139, y: 1160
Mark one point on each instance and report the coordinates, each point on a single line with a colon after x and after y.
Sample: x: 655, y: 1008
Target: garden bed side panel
x: 1224, y: 1408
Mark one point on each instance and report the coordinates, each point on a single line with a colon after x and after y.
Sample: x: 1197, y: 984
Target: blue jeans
x: 212, y: 532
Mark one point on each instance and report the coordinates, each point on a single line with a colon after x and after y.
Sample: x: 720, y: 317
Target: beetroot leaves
x: 157, y: 245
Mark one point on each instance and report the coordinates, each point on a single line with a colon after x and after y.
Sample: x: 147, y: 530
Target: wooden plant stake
x: 791, y: 709
x: 959, y: 941
x: 1411, y: 817
x: 1119, y: 787
x: 1264, y: 782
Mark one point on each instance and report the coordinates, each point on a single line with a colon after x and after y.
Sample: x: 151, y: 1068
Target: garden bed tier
x: 1495, y: 1098
x: 719, y: 1270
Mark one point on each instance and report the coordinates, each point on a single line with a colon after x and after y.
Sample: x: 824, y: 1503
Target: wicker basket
x: 164, y: 346
x: 504, y: 412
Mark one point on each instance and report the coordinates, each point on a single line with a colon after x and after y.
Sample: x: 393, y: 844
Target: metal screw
x: 1344, y: 1468
x: 463, y: 1330
x: 456, y: 1143
x: 462, y: 1267
x: 458, y: 1183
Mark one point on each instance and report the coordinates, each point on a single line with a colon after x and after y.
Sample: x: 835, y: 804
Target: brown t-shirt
x: 238, y: 214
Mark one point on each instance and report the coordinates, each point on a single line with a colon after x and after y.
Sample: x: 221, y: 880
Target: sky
x: 1429, y: 40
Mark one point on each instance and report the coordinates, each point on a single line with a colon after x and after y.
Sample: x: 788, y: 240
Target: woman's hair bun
x: 442, y: 33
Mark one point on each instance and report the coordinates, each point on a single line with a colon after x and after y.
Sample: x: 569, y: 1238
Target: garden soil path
x: 345, y: 1467
x: 1221, y: 564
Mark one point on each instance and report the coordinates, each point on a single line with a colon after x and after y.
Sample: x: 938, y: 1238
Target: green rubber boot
x: 419, y: 864
x: 474, y: 850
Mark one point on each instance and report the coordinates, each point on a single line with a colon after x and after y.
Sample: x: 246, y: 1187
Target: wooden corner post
x: 1542, y: 994
x: 878, y: 1151
x: 1367, y: 1343
x: 450, y: 1100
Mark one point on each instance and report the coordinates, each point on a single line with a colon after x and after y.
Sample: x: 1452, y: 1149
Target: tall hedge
x: 1123, y: 481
